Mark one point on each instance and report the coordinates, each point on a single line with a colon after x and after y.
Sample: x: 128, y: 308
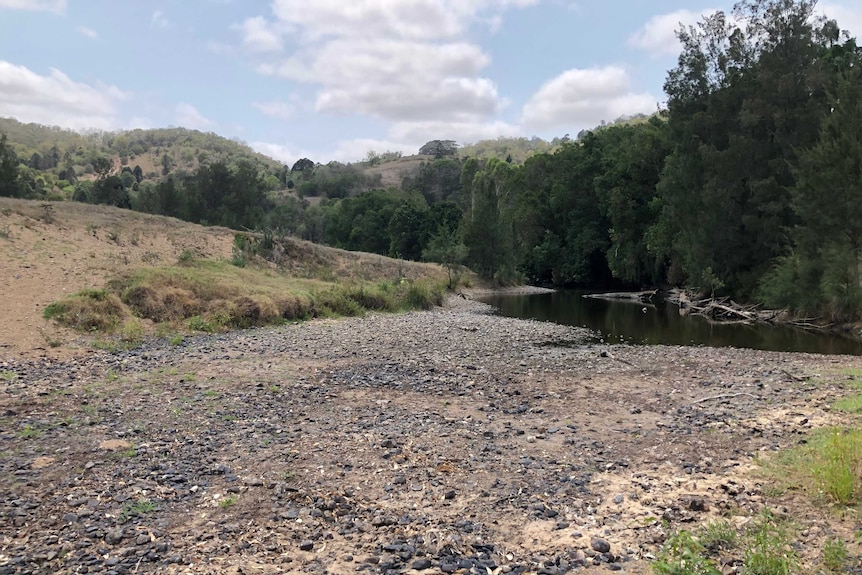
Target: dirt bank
x: 441, y: 441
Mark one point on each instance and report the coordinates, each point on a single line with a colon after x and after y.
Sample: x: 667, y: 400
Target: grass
x: 228, y: 502
x: 29, y: 432
x: 765, y: 544
x: 718, y: 536
x: 768, y: 550
x: 834, y: 555
x: 827, y: 466
x: 137, y: 508
x: 212, y: 297
x: 90, y: 310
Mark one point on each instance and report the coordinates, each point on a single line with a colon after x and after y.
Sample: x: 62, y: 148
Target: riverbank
x: 451, y: 440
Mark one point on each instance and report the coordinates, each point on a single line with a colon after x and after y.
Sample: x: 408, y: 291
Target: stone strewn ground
x: 447, y: 441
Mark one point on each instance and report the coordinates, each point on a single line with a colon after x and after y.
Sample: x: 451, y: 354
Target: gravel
x: 451, y: 440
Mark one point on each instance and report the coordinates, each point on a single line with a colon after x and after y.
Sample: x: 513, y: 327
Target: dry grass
x: 164, y: 271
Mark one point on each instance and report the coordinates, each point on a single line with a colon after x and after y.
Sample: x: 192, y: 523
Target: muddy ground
x: 447, y: 441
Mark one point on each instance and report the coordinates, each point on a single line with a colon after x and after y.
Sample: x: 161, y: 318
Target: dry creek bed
x: 448, y: 441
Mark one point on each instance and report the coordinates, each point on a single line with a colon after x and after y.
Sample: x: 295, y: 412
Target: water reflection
x: 662, y: 324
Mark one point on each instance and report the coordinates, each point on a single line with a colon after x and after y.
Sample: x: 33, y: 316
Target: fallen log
x: 637, y: 296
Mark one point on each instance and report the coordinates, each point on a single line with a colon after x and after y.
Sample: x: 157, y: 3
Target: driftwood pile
x: 720, y: 310
x: 724, y: 310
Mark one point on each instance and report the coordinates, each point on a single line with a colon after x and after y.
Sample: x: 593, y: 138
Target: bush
x: 337, y: 302
x: 162, y: 303
x: 88, y: 310
x: 424, y: 296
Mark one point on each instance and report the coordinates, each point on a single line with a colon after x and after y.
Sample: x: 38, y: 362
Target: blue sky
x: 333, y: 79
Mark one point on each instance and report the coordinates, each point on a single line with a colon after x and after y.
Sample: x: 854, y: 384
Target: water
x: 629, y: 322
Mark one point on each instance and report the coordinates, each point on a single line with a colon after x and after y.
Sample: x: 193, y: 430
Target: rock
x: 422, y: 564
x: 142, y: 539
x: 306, y: 545
x: 599, y: 545
x: 449, y: 494
x: 114, y: 537
x: 114, y: 444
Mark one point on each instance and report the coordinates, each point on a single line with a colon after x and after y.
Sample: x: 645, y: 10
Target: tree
x: 102, y: 166
x: 821, y: 273
x: 304, y: 166
x: 439, y: 148
x: 445, y: 247
x: 742, y: 100
x: 138, y: 173
x: 9, y: 184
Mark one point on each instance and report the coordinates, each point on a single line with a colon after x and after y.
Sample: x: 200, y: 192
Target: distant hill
x: 59, y: 157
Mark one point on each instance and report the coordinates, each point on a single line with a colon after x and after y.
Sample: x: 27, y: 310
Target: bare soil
x: 448, y: 441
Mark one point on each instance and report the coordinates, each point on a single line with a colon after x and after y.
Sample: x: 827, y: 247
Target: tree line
x: 749, y: 183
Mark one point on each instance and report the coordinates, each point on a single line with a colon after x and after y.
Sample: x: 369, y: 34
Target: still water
x: 635, y: 323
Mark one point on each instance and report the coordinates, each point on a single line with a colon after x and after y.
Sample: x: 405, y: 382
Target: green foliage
x: 228, y: 502
x: 828, y: 464
x: 767, y: 549
x: 717, y: 535
x: 840, y: 467
x: 835, y: 555
x: 9, y: 182
x: 765, y: 543
x: 682, y: 554
x: 446, y: 248
x: 133, y: 509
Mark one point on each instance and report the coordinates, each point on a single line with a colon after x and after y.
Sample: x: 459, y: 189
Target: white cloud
x: 159, y: 20
x: 188, y: 116
x: 658, y: 35
x: 259, y: 35
x: 414, y: 134
x: 57, y: 100
x: 848, y: 15
x: 276, y: 109
x: 88, y: 32
x: 284, y: 153
x: 583, y: 98
x: 395, y: 60
x: 56, y: 6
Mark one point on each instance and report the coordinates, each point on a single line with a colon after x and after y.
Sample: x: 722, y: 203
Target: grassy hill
x: 119, y: 276
x: 58, y: 157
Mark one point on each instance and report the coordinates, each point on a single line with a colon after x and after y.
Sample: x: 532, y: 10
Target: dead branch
x: 723, y: 396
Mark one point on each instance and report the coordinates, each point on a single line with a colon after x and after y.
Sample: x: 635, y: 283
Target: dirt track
x: 442, y: 441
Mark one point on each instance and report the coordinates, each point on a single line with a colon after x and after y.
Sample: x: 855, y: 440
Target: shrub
x: 683, y: 555
x: 422, y: 295
x: 336, y: 302
x: 88, y: 310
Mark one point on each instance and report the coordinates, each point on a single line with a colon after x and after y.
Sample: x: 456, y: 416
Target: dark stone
x: 306, y: 545
x: 600, y: 545
x: 421, y: 564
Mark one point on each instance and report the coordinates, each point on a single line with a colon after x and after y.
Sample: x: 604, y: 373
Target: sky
x: 335, y: 79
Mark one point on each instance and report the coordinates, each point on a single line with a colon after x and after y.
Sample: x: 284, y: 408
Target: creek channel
x: 661, y: 324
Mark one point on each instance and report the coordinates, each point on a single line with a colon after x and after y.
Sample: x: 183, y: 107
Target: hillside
x: 48, y: 255
x: 59, y: 157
